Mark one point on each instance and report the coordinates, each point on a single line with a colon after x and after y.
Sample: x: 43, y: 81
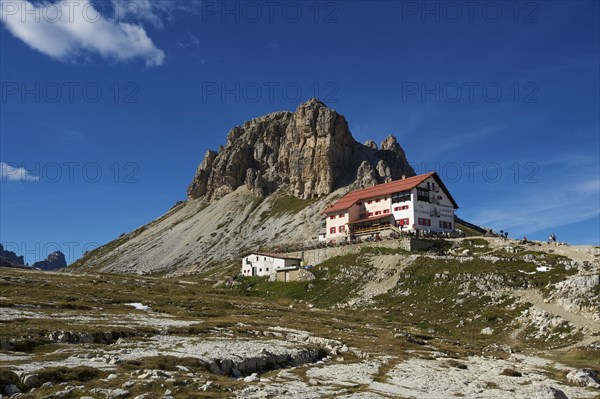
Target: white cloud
x: 142, y: 10
x: 191, y: 41
x: 69, y: 29
x: 153, y: 11
x: 11, y: 173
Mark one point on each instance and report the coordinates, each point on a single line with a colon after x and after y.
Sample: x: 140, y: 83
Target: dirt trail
x: 386, y: 277
x: 578, y: 253
x: 537, y: 300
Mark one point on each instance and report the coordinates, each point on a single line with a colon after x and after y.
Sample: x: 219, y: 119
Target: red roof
x: 385, y: 189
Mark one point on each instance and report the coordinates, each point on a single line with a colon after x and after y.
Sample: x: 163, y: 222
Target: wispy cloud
x: 446, y: 143
x: 155, y: 12
x: 11, y: 173
x: 190, y: 41
x: 67, y: 30
x: 569, y: 195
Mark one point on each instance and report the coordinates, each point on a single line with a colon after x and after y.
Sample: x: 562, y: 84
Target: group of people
x: 551, y: 239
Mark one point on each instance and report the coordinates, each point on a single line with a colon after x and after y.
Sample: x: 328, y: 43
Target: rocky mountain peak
x: 390, y: 144
x: 371, y: 144
x: 313, y: 103
x: 56, y: 260
x: 10, y: 257
x: 310, y: 152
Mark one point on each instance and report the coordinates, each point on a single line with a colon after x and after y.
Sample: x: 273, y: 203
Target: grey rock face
x: 265, y: 361
x: 31, y: 380
x: 11, y: 390
x: 56, y: 260
x: 584, y: 378
x: 577, y: 294
x: 11, y: 257
x: 371, y: 144
x: 310, y: 151
x: 546, y: 392
x: 365, y: 175
x: 383, y: 170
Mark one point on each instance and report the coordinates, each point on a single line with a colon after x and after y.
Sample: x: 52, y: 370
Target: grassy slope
x: 420, y: 299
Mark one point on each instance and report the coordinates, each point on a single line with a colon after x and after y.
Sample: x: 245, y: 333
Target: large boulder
x: 11, y: 389
x: 546, y: 392
x: 584, y: 378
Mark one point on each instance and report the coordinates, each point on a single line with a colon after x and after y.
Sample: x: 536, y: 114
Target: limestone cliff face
x: 310, y: 152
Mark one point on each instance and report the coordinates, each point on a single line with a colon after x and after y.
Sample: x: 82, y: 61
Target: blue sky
x: 108, y: 107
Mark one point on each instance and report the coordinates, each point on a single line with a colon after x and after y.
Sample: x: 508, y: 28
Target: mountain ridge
x: 267, y: 186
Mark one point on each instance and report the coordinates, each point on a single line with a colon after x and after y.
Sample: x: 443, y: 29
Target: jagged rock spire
x: 310, y: 151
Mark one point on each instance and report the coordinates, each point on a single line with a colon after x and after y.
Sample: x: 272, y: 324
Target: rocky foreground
x: 476, y: 318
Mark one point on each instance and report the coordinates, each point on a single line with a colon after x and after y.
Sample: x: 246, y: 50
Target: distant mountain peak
x: 56, y: 260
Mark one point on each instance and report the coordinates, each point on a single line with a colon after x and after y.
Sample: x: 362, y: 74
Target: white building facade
x: 263, y: 264
x: 419, y: 203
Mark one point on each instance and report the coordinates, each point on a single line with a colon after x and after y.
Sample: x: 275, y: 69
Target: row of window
x: 402, y: 222
x: 248, y: 262
x: 259, y: 270
x: 401, y: 196
x: 422, y: 195
x: 424, y: 222
x: 445, y: 225
x: 376, y: 213
x: 341, y: 229
x: 375, y: 200
x: 369, y: 214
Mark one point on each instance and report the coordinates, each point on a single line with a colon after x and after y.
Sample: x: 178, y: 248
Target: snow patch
x: 138, y: 306
x: 523, y: 271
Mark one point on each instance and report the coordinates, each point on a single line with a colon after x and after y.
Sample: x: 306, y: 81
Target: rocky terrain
x: 472, y: 317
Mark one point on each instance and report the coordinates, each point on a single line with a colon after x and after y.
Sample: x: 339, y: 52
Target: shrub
x: 511, y: 373
x: 457, y: 364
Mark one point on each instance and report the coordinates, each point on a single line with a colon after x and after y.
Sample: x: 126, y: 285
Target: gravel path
x: 537, y: 300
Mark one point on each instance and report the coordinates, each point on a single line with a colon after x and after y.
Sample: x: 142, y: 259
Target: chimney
x: 403, y: 177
